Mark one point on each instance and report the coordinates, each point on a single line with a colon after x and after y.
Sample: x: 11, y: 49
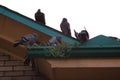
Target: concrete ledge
x: 80, y: 69
x: 6, y: 45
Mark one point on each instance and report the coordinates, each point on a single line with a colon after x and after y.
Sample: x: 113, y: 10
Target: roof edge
x: 35, y: 25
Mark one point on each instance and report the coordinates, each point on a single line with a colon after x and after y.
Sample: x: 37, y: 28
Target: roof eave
x: 35, y: 25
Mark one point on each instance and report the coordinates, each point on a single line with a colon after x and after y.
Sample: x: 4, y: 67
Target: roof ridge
x: 102, y: 40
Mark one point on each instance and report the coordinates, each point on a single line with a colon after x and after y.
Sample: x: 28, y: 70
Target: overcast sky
x: 98, y: 16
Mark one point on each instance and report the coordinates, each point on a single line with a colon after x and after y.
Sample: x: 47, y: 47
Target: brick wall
x: 13, y: 69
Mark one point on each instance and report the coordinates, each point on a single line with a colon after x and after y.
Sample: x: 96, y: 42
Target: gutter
x: 77, y: 52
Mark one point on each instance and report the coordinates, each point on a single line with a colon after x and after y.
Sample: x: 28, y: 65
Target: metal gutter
x: 76, y: 52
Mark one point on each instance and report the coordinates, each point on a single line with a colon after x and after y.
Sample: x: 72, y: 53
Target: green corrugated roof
x: 102, y: 41
x: 99, y: 46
